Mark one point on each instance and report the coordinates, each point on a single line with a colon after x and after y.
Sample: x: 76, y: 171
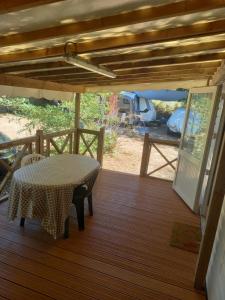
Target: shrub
x: 51, y: 118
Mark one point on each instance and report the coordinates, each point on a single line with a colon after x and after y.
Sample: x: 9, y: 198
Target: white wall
x: 216, y: 272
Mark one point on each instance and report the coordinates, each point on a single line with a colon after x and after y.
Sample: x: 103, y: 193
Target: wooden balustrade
x: 149, y: 143
x: 89, y: 141
x: 78, y: 141
x: 57, y: 142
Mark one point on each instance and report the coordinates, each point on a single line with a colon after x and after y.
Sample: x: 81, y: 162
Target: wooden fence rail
x: 149, y: 144
x: 78, y: 141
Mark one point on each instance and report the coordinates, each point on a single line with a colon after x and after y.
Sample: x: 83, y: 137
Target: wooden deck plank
x: 124, y: 252
x: 10, y: 290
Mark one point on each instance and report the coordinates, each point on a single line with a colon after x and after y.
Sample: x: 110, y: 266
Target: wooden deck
x: 124, y: 252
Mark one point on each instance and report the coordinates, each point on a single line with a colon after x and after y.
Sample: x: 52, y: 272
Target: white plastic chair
x: 30, y: 159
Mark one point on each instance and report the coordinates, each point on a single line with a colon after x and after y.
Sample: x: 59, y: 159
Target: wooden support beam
x: 15, y: 5
x: 129, y: 74
x: 38, y: 67
x: 134, y: 40
x: 77, y: 111
x: 157, y: 53
x: 173, y: 68
x: 180, y: 63
x: 52, y: 69
x: 141, y: 80
x: 59, y: 68
x: 54, y: 52
x: 169, y: 61
x: 219, y: 76
x: 10, y: 80
x: 73, y: 74
x: 58, y: 51
x: 216, y: 202
x: 153, y: 37
x: 133, y: 17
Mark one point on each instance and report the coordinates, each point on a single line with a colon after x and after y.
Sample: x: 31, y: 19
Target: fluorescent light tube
x: 74, y: 60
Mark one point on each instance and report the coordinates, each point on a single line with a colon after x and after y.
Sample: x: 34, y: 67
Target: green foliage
x: 93, y: 109
x: 51, y: 118
x: 166, y: 108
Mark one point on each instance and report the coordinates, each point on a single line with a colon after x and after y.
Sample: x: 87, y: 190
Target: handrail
x: 149, y: 143
x: 89, y: 131
x: 58, y: 133
x: 164, y: 142
x: 18, y: 142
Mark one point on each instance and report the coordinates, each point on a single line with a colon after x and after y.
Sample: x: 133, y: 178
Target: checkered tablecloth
x: 44, y: 190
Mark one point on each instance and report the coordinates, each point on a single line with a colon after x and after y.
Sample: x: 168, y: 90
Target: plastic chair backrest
x: 89, y: 183
x: 30, y: 159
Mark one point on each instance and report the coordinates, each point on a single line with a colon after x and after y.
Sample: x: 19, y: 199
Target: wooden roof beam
x: 106, y: 44
x: 15, y: 5
x: 219, y: 75
x: 130, y: 74
x: 199, y: 65
x: 125, y: 72
x: 125, y: 78
x: 38, y: 67
x: 133, y: 17
x: 169, y: 61
x: 141, y: 80
x: 153, y: 37
x: 209, y: 60
x: 157, y: 53
x: 10, y: 80
x: 148, y: 85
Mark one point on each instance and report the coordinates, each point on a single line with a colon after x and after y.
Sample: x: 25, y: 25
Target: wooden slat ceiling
x: 141, y: 41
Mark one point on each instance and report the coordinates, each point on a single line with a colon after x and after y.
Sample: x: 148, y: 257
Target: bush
x: 51, y: 118
x: 164, y: 109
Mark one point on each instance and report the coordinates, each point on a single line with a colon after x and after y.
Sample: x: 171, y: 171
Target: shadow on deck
x: 124, y: 252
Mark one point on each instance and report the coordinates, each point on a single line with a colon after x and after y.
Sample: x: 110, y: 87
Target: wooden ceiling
x: 141, y: 41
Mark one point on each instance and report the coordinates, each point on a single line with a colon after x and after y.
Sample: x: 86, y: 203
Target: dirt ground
x: 11, y: 126
x: 126, y: 156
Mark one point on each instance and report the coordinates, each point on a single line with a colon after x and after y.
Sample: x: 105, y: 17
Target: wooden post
x: 76, y: 123
x: 212, y: 219
x: 208, y: 80
x: 77, y: 111
x: 71, y: 143
x: 145, y: 156
x: 39, y: 142
x: 100, y: 147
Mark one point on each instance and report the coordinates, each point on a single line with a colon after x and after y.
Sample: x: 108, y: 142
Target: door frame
x: 216, y: 199
x: 217, y: 93
x: 212, y: 220
x: 216, y: 151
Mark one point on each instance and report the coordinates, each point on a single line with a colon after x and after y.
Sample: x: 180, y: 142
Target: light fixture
x: 73, y: 59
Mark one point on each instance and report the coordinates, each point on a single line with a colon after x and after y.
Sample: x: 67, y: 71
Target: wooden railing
x: 77, y: 141
x: 89, y: 142
x: 56, y: 142
x: 146, y: 163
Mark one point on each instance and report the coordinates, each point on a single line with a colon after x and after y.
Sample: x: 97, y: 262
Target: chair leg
x: 90, y: 206
x: 22, y: 221
x: 67, y: 226
x: 80, y: 213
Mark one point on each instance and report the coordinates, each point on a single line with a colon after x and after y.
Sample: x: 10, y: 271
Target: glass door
x: 194, y: 147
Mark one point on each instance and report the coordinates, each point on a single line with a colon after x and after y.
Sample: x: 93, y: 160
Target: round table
x: 44, y: 190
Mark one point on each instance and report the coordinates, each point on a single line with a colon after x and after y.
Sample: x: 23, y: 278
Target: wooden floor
x: 124, y: 252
